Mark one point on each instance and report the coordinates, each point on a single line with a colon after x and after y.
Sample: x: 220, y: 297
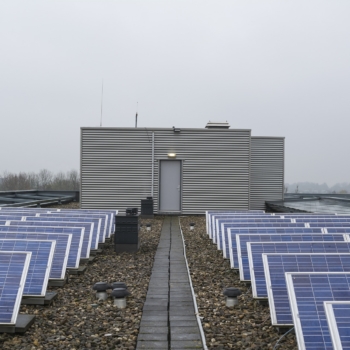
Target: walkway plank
x: 168, y: 320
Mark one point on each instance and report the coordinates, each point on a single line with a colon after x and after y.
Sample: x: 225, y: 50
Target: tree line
x: 43, y: 180
x: 310, y: 187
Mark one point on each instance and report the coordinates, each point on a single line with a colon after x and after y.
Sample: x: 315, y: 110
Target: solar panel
x: 211, y: 218
x: 110, y: 213
x: 5, y: 217
x: 255, y: 251
x: 13, y: 274
x: 52, y: 218
x: 338, y: 318
x: 222, y: 223
x: 259, y: 288
x: 307, y: 292
x: 33, y: 216
x: 87, y: 234
x: 275, y: 267
x: 337, y: 229
x: 227, y: 226
x: 218, y: 221
x: 40, y: 262
x: 60, y: 257
x: 238, y: 249
x: 328, y: 219
x: 33, y: 211
x: 328, y: 224
x: 304, y: 215
x: 102, y: 232
x: 239, y: 221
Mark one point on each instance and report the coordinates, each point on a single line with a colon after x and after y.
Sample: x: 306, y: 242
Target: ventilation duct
x: 217, y: 125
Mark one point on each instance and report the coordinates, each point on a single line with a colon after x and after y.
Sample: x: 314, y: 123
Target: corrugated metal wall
x: 267, y: 170
x: 116, y: 165
x: 215, y: 168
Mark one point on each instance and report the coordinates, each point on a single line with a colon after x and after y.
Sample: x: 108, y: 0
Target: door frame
x: 159, y: 185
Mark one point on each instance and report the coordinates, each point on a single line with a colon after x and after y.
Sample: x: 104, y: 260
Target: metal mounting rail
x: 35, y: 198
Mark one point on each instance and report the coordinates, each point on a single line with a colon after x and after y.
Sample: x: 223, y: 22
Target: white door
x: 170, y: 186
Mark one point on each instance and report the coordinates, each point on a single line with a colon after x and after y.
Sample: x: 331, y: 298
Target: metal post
x: 152, y: 163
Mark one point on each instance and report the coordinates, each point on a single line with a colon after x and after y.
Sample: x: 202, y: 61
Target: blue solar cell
x: 210, y: 215
x: 87, y: 234
x: 334, y: 229
x: 307, y: 293
x: 110, y: 220
x: 103, y: 223
x: 40, y: 262
x: 255, y: 251
x: 5, y: 217
x: 293, y: 215
x: 328, y: 219
x: 238, y: 249
x: 52, y: 218
x: 338, y: 318
x: 99, y: 229
x: 328, y: 224
x: 228, y: 226
x: 219, y: 220
x: 13, y: 274
x: 275, y: 267
x: 63, y: 244
x: 253, y: 220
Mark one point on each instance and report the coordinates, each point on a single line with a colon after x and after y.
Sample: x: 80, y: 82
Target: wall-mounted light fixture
x: 176, y: 129
x: 171, y: 155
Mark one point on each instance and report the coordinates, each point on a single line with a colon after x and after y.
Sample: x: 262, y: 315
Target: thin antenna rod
x: 137, y: 108
x: 101, y: 104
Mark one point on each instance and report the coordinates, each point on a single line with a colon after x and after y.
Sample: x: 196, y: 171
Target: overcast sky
x: 280, y: 68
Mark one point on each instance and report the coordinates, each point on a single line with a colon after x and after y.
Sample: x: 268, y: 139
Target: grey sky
x: 280, y: 68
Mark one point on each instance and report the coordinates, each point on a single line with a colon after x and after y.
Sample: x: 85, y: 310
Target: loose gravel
x: 76, y: 320
x: 246, y: 326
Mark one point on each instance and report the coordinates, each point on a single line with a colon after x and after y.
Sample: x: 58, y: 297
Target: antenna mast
x: 101, y: 104
x: 137, y: 108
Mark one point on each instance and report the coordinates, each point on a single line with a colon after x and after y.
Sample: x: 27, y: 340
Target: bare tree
x: 44, y: 180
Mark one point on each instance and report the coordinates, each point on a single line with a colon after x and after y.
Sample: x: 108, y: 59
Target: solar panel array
x: 252, y: 247
x: 62, y: 248
x: 41, y: 226
x: 39, y: 244
x: 337, y: 313
x: 13, y: 274
x: 238, y: 249
x: 40, y: 262
x: 307, y: 293
x: 303, y: 269
x: 276, y: 265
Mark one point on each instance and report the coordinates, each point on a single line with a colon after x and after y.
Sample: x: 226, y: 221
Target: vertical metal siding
x: 267, y: 170
x: 215, y: 168
x: 116, y: 167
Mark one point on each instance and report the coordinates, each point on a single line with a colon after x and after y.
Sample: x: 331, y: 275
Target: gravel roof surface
x: 77, y: 320
x: 246, y: 326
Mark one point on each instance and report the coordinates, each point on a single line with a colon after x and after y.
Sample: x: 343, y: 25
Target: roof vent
x: 217, y: 125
